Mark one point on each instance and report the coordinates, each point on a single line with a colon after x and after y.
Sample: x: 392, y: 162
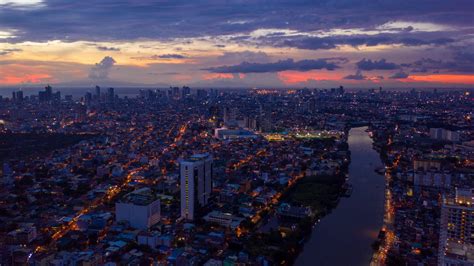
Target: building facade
x: 141, y: 208
x: 195, y: 179
x: 456, y: 246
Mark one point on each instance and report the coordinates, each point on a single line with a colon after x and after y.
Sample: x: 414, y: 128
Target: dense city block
x: 185, y: 176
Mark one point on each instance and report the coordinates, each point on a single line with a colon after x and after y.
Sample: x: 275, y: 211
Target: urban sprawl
x: 185, y: 176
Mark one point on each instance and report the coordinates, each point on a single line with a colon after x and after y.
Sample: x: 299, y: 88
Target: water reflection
x: 344, y: 237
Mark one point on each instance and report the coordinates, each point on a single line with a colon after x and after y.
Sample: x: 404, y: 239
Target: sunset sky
x: 219, y: 43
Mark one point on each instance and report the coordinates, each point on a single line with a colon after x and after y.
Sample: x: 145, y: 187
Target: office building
x: 141, y: 208
x: 186, y: 91
x: 17, y: 96
x: 48, y: 96
x: 110, y: 95
x: 195, y: 175
x: 223, y: 219
x: 97, y: 93
x: 88, y: 99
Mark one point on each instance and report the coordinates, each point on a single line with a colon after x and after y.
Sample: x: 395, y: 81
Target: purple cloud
x: 357, y: 76
x: 170, y: 56
x: 96, y: 20
x: 326, y: 43
x: 282, y: 65
x: 399, y: 75
x: 382, y: 64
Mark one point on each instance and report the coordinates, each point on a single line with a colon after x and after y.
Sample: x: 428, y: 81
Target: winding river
x: 344, y: 237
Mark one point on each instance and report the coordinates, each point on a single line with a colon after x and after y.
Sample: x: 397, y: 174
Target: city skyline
x: 191, y: 176
x: 236, y: 132
x: 356, y: 44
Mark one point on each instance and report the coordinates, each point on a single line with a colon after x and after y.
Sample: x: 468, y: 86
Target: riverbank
x: 281, y: 237
x: 345, y: 236
x: 327, y: 236
x: 322, y: 193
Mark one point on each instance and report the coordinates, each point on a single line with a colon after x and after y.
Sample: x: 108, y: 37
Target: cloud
x: 79, y: 20
x: 158, y: 57
x: 418, y: 42
x: 326, y: 43
x: 21, y: 4
x: 24, y: 71
x: 242, y: 81
x: 399, y: 75
x: 9, y: 51
x: 282, y: 65
x: 382, y: 64
x: 244, y: 56
x: 462, y: 62
x: 100, y: 71
x: 464, y: 56
x: 357, y: 76
x: 170, y: 56
x: 280, y: 30
x: 105, y: 48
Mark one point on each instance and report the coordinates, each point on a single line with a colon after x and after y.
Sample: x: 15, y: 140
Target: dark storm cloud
x: 357, y: 76
x: 96, y: 20
x: 382, y: 64
x: 399, y: 75
x: 282, y: 65
x: 100, y: 71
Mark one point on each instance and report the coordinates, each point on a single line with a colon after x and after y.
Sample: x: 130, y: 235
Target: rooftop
x: 143, y: 196
x: 198, y: 157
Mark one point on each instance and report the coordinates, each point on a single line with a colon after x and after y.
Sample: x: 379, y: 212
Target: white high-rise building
x: 456, y: 243
x: 141, y: 208
x: 195, y: 175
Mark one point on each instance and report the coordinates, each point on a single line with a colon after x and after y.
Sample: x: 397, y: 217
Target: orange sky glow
x: 455, y: 79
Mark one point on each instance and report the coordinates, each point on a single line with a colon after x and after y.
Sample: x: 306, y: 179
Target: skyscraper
x: 49, y: 91
x: 48, y: 96
x: 97, y: 94
x: 88, y: 98
x: 195, y: 175
x: 110, y: 95
x: 19, y: 96
x: 186, y: 91
x: 456, y: 244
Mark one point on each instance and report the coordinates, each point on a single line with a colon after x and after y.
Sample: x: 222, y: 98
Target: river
x: 344, y: 237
